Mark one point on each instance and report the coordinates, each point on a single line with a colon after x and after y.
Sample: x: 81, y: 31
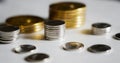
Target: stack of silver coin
x: 8, y: 34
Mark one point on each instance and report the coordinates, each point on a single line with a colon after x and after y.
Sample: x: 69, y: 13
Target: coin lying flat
x: 117, y: 36
x: 24, y: 48
x: 73, y: 46
x: 37, y: 57
x: 98, y: 48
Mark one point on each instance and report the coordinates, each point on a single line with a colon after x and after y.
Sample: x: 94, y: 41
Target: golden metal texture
x: 26, y: 23
x: 72, y: 13
x: 73, y: 46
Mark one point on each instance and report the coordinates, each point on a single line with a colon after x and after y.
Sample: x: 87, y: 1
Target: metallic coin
x: 117, y: 36
x: 101, y: 28
x: 26, y: 23
x: 24, y: 48
x: 98, y: 48
x: 68, y: 12
x: 73, y: 46
x: 54, y: 30
x: 8, y: 28
x: 8, y: 34
x: 37, y: 57
x: 6, y: 41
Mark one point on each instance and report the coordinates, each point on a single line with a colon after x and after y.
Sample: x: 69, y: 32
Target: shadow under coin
x: 35, y: 37
x: 86, y: 31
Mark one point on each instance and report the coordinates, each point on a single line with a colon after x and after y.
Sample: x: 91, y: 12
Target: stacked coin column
x: 72, y: 13
x: 54, y: 30
x: 8, y: 34
x: 26, y: 23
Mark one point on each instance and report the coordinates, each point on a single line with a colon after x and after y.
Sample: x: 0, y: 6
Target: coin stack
x: 72, y: 13
x: 8, y: 34
x: 26, y: 23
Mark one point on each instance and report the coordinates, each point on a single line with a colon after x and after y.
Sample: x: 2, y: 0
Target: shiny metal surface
x: 99, y: 48
x: 70, y: 46
x: 24, y: 48
x: 26, y: 23
x: 54, y: 30
x: 101, y: 28
x: 73, y: 13
x: 37, y: 57
x: 8, y: 34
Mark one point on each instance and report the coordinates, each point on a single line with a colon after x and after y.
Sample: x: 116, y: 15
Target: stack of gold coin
x: 73, y: 13
x: 26, y: 23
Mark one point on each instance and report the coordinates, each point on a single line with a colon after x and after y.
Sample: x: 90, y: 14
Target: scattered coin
x: 98, y: 48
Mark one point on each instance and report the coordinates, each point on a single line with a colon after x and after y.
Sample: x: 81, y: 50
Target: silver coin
x: 24, y: 48
x: 8, y: 28
x: 101, y: 28
x: 37, y: 57
x: 117, y: 36
x: 8, y: 34
x: 72, y: 46
x: 54, y: 29
x: 99, y: 48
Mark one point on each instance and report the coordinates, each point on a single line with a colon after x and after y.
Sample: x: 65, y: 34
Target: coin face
x: 55, y: 22
x: 37, y: 57
x: 73, y: 46
x: 23, y: 20
x: 26, y: 23
x: 101, y: 25
x: 117, y: 36
x: 8, y: 28
x: 98, y: 48
x: 67, y: 6
x: 24, y: 48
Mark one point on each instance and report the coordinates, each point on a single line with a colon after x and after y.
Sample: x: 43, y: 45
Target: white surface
x: 97, y: 11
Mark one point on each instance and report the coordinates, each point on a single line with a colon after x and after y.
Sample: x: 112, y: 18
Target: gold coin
x: 73, y: 13
x: 67, y: 6
x: 26, y: 23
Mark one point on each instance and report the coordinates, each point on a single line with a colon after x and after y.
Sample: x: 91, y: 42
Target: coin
x: 73, y: 13
x: 98, y: 48
x: 117, y: 36
x: 101, y: 28
x: 8, y: 34
x: 73, y: 46
x: 24, y: 48
x: 26, y: 23
x: 37, y: 57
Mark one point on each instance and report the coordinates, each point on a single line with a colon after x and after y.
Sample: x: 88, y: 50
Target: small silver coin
x: 99, y: 48
x: 24, y: 48
x: 37, y: 57
x: 101, y: 28
x: 72, y: 46
x: 117, y: 36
